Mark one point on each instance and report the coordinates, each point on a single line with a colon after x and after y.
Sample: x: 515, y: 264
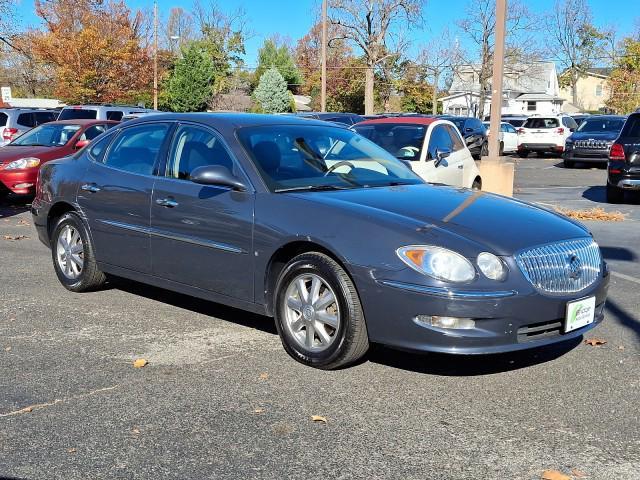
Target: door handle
x: 90, y: 187
x: 167, y: 202
x: 460, y: 166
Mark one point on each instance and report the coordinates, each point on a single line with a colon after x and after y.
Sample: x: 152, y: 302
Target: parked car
x: 15, y: 121
x: 513, y: 119
x: 545, y: 134
x: 21, y: 159
x: 105, y: 111
x: 134, y: 115
x: 333, y: 117
x: 508, y: 137
x: 342, y: 248
x: 580, y: 117
x: 592, y: 140
x: 623, y: 170
x: 431, y: 147
x: 473, y: 132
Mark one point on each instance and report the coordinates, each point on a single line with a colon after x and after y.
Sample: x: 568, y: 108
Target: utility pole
x: 155, y: 55
x: 323, y: 89
x: 496, y: 82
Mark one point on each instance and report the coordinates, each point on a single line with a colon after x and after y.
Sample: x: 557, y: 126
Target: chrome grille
x: 564, y: 267
x: 592, y: 144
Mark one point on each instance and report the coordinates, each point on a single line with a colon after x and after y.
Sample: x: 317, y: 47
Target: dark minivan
x: 624, y: 161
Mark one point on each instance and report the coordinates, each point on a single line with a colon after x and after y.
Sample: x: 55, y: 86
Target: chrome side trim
x: 629, y: 183
x: 173, y: 236
x: 447, y: 292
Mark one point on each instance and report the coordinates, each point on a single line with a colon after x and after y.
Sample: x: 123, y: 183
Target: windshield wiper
x: 311, y: 188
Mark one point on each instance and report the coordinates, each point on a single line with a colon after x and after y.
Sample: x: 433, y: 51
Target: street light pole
x: 496, y: 82
x: 155, y: 55
x: 323, y: 89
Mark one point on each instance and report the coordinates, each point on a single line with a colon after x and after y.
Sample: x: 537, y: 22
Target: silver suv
x: 16, y: 121
x: 100, y: 112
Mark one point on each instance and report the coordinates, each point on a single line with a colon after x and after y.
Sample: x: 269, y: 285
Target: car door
x: 115, y: 194
x: 202, y: 235
x: 510, y: 137
x: 450, y: 170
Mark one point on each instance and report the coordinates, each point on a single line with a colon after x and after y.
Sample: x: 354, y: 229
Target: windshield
x: 601, y: 125
x: 47, y: 135
x: 403, y: 141
x: 77, y: 113
x: 311, y: 157
x: 542, y: 123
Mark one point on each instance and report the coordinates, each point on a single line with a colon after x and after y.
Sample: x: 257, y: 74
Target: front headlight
x: 27, y: 162
x: 491, y: 266
x: 437, y: 262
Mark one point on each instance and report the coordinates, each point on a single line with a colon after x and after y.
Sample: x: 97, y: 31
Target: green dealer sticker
x: 580, y: 313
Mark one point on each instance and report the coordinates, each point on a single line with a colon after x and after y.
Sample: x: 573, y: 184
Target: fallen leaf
x: 135, y: 431
x: 596, y: 213
x: 594, y: 342
x: 554, y: 475
x: 71, y: 450
x: 264, y: 376
x: 15, y: 237
x: 139, y: 363
x: 578, y: 473
x: 27, y: 409
x: 318, y: 418
x: 7, y: 349
x: 23, y: 223
x: 259, y: 410
x: 621, y: 347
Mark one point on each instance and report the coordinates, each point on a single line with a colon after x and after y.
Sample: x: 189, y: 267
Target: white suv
x: 100, y: 112
x: 545, y: 134
x: 16, y: 121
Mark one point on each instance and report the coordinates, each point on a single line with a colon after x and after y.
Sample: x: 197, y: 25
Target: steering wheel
x: 337, y: 165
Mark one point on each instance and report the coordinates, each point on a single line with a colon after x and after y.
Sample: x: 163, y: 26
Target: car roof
x: 231, y: 119
x: 611, y: 117
x: 81, y: 121
x: 409, y: 120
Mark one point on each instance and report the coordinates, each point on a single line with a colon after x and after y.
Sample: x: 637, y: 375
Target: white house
x: 528, y: 89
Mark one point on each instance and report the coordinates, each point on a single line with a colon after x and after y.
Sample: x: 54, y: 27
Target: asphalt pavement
x: 220, y: 399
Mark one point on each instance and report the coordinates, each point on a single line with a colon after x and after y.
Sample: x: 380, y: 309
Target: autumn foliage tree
x: 96, y: 48
x: 625, y: 78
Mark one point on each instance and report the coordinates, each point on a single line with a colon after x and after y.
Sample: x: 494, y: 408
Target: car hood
x: 499, y: 224
x: 595, y: 136
x: 9, y: 153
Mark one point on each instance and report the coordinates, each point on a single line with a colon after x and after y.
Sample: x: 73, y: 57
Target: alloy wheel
x: 70, y: 252
x: 311, y: 311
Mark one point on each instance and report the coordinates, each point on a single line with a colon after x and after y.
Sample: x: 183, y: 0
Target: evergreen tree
x: 272, y: 56
x: 272, y: 93
x: 190, y: 85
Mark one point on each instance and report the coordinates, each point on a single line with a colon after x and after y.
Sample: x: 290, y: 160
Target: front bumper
x: 39, y: 214
x: 505, y: 320
x: 20, y: 182
x: 586, y: 156
x: 540, y: 147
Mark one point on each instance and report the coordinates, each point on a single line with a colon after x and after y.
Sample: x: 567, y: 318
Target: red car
x: 21, y: 159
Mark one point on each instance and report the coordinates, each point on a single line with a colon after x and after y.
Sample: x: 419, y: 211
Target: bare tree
x: 576, y: 42
x: 438, y: 58
x: 480, y: 26
x: 178, y: 29
x: 372, y: 25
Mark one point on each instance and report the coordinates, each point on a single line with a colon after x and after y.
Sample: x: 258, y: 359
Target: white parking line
x: 553, y: 188
x: 626, y: 277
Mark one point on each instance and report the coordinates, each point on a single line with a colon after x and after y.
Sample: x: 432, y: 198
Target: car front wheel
x: 318, y: 313
x: 73, y: 257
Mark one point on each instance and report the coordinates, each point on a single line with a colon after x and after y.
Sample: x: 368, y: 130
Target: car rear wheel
x: 523, y: 154
x: 73, y: 257
x: 614, y: 194
x: 318, y: 313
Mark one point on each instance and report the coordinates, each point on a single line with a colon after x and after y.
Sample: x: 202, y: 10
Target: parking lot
x: 220, y: 398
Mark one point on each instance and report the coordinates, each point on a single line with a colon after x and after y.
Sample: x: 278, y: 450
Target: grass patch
x: 597, y: 213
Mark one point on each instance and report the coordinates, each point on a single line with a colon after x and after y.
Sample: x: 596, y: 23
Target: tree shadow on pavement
x: 469, y: 365
x: 623, y: 317
x: 196, y: 305
x: 11, y: 206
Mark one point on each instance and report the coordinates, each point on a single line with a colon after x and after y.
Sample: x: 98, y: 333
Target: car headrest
x: 268, y: 155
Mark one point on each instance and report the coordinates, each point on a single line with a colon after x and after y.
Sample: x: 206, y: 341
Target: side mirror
x: 441, y: 155
x: 81, y: 144
x: 216, y: 175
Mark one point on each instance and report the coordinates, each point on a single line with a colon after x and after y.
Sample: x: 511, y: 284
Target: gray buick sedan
x: 320, y: 228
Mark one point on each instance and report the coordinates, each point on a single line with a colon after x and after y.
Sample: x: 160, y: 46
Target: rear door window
x: 78, y: 113
x: 542, y: 123
x: 458, y: 144
x: 26, y: 120
x: 44, y: 117
x: 3, y: 119
x: 96, y: 152
x: 137, y: 148
x: 114, y: 115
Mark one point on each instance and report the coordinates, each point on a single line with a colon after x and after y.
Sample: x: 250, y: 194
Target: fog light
x: 446, y: 322
x: 23, y: 185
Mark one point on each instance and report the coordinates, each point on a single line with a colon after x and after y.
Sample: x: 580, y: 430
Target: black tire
x: 523, y: 154
x: 501, y: 151
x: 90, y: 277
x: 569, y: 163
x: 484, y: 150
x: 350, y: 340
x: 477, y: 184
x: 541, y: 154
x: 614, y: 194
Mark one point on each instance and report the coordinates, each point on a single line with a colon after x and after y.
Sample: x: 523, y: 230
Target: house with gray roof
x: 528, y: 89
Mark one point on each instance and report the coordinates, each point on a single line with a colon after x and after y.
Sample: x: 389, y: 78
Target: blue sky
x: 293, y: 18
